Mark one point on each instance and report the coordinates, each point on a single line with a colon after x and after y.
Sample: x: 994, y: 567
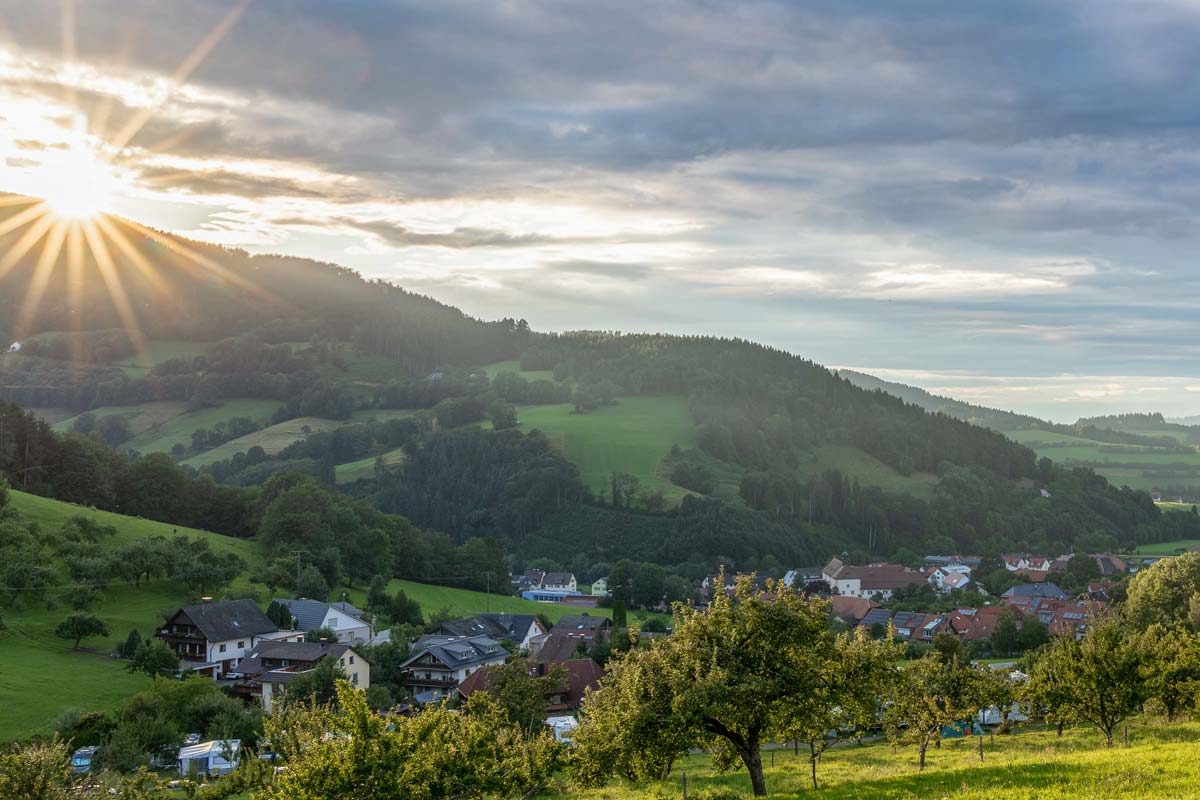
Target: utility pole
x: 487, y: 603
x: 296, y: 588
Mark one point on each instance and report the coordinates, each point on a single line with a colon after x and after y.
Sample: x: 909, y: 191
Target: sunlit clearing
x: 76, y: 185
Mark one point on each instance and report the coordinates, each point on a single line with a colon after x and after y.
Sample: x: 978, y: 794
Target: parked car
x: 191, y: 739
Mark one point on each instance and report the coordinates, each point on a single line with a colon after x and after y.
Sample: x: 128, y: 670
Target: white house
x: 349, y: 623
x: 559, y: 582
x: 271, y: 666
x: 867, y: 581
x: 600, y: 587
x: 218, y: 757
x: 211, y: 638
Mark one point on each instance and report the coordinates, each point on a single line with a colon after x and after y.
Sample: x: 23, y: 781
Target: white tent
x: 563, y: 728
x: 218, y: 757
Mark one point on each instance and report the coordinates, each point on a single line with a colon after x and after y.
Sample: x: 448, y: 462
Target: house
x: 600, y: 587
x: 872, y: 579
x: 800, y: 577
x: 1035, y: 590
x: 850, y: 610
x: 563, y: 646
x: 270, y: 666
x: 559, y: 582
x: 580, y: 674
x: 977, y: 624
x: 211, y: 638
x: 209, y: 759
x: 948, y: 577
x: 440, y: 663
x: 876, y: 616
x: 1109, y: 564
x: 349, y: 623
x: 523, y: 630
x: 971, y: 562
x: 582, y: 623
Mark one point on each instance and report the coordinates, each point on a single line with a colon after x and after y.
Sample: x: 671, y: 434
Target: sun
x: 76, y: 185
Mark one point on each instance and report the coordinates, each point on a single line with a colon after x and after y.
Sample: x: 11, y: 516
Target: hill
x: 41, y: 675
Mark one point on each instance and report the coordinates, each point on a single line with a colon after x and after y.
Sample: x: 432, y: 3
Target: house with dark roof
x: 440, y: 663
x: 559, y: 582
x: 349, y: 623
x: 580, y: 674
x: 523, y: 630
x: 211, y: 638
x: 1035, y: 590
x: 270, y: 666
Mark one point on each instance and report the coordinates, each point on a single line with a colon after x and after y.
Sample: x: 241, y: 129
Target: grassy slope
x: 1161, y: 763
x: 271, y: 439
x: 158, y: 426
x: 492, y: 370
x: 156, y: 352
x: 463, y: 602
x: 39, y: 674
x: 1145, y: 467
x: 632, y: 436
x: 365, y: 467
x: 869, y: 470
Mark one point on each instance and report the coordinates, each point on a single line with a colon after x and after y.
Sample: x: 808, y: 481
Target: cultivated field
x: 159, y: 426
x: 1160, y: 763
x: 271, y: 439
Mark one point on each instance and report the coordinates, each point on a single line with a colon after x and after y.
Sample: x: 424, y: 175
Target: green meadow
x: 869, y: 470
x: 632, y: 436
x: 1160, y: 763
x: 492, y: 370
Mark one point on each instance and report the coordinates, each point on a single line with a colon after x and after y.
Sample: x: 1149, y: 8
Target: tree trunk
x: 1060, y: 728
x: 752, y: 758
x: 924, y: 746
x: 812, y: 748
x: 1108, y: 742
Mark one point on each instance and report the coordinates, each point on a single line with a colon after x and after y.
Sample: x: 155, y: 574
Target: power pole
x: 487, y: 603
x: 296, y: 588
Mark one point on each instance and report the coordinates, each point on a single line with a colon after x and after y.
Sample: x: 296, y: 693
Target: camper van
x: 82, y: 759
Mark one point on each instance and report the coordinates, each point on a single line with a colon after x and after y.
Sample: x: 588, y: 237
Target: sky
x: 997, y: 202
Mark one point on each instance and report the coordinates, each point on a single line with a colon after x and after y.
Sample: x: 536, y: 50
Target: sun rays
x: 74, y: 187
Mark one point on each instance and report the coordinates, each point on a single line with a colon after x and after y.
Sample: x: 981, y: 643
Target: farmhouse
x: 600, y: 587
x: 580, y: 675
x: 211, y: 638
x: 440, y: 663
x: 867, y: 581
x: 345, y: 620
x: 270, y: 666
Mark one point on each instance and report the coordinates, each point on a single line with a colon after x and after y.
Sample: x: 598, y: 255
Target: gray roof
x: 558, y: 578
x: 229, y: 619
x: 876, y: 615
x: 513, y: 627
x: 309, y: 614
x: 582, y: 622
x: 458, y: 651
x: 1036, y: 590
x: 302, y: 653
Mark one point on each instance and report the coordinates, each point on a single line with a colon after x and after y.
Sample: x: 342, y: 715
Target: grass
x: 156, y: 352
x: 1167, y: 548
x: 869, y: 470
x: 364, y: 468
x: 141, y: 417
x: 40, y: 675
x: 159, y: 426
x: 1135, y: 466
x: 465, y: 603
x: 632, y: 436
x: 1035, y: 765
x: 271, y: 439
x: 492, y: 370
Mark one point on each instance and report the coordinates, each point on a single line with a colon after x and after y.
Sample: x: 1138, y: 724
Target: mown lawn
x: 632, y: 436
x: 465, y: 603
x: 178, y: 430
x: 1161, y: 763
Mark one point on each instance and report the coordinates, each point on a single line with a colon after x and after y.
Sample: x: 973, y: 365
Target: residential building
x: 600, y: 587
x: 271, y: 666
x: 559, y: 582
x: 880, y: 579
x: 1110, y: 565
x: 211, y: 638
x: 349, y: 623
x: 1032, y: 590
x: 580, y: 674
x: 850, y: 610
x: 523, y: 630
x: 440, y: 663
x: 800, y: 577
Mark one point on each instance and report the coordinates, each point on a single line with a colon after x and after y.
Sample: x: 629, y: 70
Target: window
x: 220, y: 648
x: 241, y: 645
x: 354, y: 679
x: 351, y: 659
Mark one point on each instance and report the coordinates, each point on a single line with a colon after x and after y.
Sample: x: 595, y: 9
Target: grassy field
x: 493, y: 370
x: 869, y: 470
x: 464, y: 602
x: 1167, y: 548
x: 632, y: 436
x: 156, y: 352
x: 1137, y: 467
x: 39, y: 673
x: 159, y: 426
x: 365, y: 467
x: 271, y: 439
x: 1161, y: 763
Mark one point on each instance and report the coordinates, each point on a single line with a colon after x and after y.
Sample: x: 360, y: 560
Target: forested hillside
x: 293, y: 366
